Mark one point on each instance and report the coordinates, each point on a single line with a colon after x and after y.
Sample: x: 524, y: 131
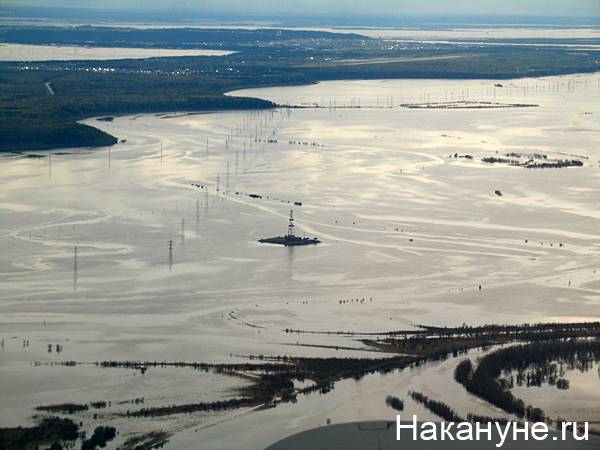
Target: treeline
x: 30, y: 119
x: 33, y: 119
x: 23, y: 136
x: 200, y: 366
x: 463, y: 371
x: 438, y: 408
x: 72, y: 408
x: 221, y: 405
x: 485, y: 381
x: 523, y: 331
x: 49, y: 430
x: 64, y: 408
x: 269, y: 386
x: 444, y: 411
x: 430, y: 346
x: 552, y: 373
x: 533, y: 164
x: 275, y: 375
x: 54, y: 431
x: 99, y: 438
x: 262, y: 391
x: 181, y: 38
x: 394, y: 403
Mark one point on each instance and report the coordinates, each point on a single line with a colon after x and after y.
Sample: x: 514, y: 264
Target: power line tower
x: 227, y: 178
x: 291, y: 224
x: 75, y: 268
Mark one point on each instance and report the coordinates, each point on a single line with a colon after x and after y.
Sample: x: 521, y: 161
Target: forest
x: 49, y: 430
x: 486, y: 382
x: 33, y: 117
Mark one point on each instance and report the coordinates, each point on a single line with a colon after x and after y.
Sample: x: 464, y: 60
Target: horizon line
x: 291, y: 15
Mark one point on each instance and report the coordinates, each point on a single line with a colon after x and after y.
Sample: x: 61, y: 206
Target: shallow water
x: 503, y: 32
x: 405, y: 227
x: 22, y: 52
x: 452, y: 32
x: 579, y: 402
x: 349, y: 401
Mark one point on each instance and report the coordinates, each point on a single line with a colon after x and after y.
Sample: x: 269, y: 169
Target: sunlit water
x: 406, y: 228
x: 579, y: 402
x: 505, y: 32
x: 22, y: 52
x: 417, y: 32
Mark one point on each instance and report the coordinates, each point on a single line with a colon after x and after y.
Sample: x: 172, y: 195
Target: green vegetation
x: 173, y: 38
x: 50, y: 430
x: 36, y: 115
x: 30, y: 118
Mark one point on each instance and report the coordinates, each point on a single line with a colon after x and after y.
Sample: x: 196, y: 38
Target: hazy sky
x: 577, y: 8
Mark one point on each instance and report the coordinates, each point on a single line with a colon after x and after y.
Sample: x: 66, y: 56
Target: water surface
x: 411, y: 234
x: 23, y: 52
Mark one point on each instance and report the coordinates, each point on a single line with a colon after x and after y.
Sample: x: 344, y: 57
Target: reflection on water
x: 290, y: 253
x: 401, y: 222
x: 23, y: 52
x: 577, y: 399
x: 75, y: 269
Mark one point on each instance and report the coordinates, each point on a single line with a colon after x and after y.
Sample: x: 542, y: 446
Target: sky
x: 565, y: 8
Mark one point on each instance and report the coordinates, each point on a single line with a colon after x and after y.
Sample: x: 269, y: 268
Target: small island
x: 290, y: 239
x: 533, y: 161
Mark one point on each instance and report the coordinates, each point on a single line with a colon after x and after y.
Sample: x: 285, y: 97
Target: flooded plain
x: 579, y: 401
x: 148, y: 250
x: 23, y: 52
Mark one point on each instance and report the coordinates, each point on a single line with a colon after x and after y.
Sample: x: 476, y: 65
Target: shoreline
x: 237, y: 94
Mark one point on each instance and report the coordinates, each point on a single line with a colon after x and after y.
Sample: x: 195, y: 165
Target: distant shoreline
x: 97, y: 138
x: 35, y: 118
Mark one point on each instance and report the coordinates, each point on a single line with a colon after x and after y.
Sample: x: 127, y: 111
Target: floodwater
x: 579, y: 402
x: 439, y: 31
x: 23, y: 52
x: 504, y: 32
x: 113, y: 253
x: 350, y: 401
